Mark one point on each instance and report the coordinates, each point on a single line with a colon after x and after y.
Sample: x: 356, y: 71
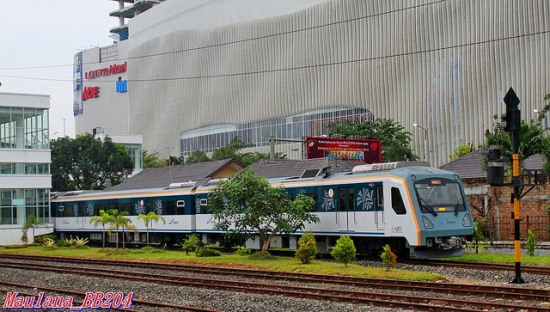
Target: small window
x: 180, y: 203
x: 61, y: 208
x: 397, y: 201
x: 204, y: 201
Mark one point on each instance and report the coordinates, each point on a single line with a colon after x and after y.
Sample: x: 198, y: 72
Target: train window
x: 440, y: 196
x: 181, y: 203
x: 169, y: 208
x: 342, y: 199
x: 127, y: 207
x: 397, y: 201
x: 61, y: 208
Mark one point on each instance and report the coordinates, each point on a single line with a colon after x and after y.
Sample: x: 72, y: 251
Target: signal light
x: 512, y: 117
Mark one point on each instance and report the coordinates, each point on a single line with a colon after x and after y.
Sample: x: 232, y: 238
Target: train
x: 420, y: 211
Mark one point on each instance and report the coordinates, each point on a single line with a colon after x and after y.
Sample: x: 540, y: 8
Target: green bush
x: 65, y: 242
x: 190, y: 244
x: 389, y: 259
x: 345, y: 250
x: 40, y: 240
x: 307, y: 248
x: 49, y: 244
x: 206, y: 252
x: 80, y: 242
x: 262, y: 255
x: 243, y: 251
x: 531, y: 243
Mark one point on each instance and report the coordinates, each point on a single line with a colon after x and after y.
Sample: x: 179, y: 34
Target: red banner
x: 369, y: 151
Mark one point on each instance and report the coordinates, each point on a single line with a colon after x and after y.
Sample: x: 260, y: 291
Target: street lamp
x: 425, y: 140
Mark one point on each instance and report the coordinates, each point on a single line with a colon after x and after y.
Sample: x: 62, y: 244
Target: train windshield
x: 439, y: 196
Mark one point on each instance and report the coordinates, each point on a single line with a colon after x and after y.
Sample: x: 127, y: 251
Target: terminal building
x: 25, y: 158
x: 191, y: 75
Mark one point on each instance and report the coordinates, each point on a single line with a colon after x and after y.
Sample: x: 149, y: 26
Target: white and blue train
x: 421, y: 212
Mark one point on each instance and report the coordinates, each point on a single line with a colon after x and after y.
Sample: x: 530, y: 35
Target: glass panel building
x: 25, y: 158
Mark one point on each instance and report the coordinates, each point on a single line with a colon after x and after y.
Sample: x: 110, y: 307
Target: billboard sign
x: 369, y: 151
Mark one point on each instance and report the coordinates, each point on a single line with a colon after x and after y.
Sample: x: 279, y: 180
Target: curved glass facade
x: 297, y: 127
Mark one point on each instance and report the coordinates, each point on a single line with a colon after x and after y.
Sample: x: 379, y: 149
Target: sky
x: 38, y: 40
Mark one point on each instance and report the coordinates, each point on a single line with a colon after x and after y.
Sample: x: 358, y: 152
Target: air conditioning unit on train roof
x: 182, y: 184
x: 388, y: 166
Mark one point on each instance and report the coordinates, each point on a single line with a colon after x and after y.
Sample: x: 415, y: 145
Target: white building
x: 25, y: 179
x: 191, y: 75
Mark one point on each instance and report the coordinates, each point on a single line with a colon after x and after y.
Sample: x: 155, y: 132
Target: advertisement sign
x: 369, y: 151
x: 77, y: 85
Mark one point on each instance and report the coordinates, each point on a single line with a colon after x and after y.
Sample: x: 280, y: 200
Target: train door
x: 346, y: 209
x: 379, y: 209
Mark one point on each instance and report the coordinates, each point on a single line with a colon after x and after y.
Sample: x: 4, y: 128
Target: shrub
x: 243, y: 251
x: 479, y: 235
x: 531, y: 243
x: 344, y: 251
x: 262, y: 255
x: 65, y: 242
x: 49, y: 243
x: 206, y: 252
x: 389, y: 259
x: 80, y: 242
x: 307, y: 248
x: 190, y: 244
x: 43, y: 238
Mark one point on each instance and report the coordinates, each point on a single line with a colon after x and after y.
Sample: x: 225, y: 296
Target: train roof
x: 402, y: 169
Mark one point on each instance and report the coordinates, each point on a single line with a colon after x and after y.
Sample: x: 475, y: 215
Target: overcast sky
x: 40, y: 39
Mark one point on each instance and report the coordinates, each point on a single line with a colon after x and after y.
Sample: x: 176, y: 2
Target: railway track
x: 493, y: 297
x: 80, y: 298
x: 539, y: 270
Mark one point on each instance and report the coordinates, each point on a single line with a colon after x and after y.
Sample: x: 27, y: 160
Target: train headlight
x: 427, y: 223
x: 466, y: 222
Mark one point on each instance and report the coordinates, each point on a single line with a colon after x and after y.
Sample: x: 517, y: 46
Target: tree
x: 461, y: 150
x: 248, y: 204
x: 230, y: 150
x: 151, y: 160
x: 532, y: 141
x: 197, y: 156
x: 307, y: 248
x: 148, y: 218
x: 395, y: 140
x: 86, y: 163
x: 32, y: 223
x: 119, y: 220
x: 345, y: 250
x: 104, y: 218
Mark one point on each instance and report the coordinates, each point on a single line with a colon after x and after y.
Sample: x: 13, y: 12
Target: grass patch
x: 503, y: 258
x: 275, y: 263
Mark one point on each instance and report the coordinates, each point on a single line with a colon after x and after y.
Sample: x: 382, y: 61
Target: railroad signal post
x: 513, y: 126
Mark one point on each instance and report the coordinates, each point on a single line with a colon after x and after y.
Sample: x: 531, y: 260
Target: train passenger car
x: 420, y: 211
x: 74, y: 210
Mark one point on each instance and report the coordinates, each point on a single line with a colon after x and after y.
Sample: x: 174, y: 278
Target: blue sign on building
x: 122, y: 86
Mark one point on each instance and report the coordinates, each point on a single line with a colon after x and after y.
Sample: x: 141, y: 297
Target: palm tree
x: 104, y: 218
x: 147, y: 218
x: 120, y: 221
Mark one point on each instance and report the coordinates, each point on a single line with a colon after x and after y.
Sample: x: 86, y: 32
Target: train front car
x: 440, y: 211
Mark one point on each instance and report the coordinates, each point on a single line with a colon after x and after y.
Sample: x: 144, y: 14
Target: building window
x: 24, y: 128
